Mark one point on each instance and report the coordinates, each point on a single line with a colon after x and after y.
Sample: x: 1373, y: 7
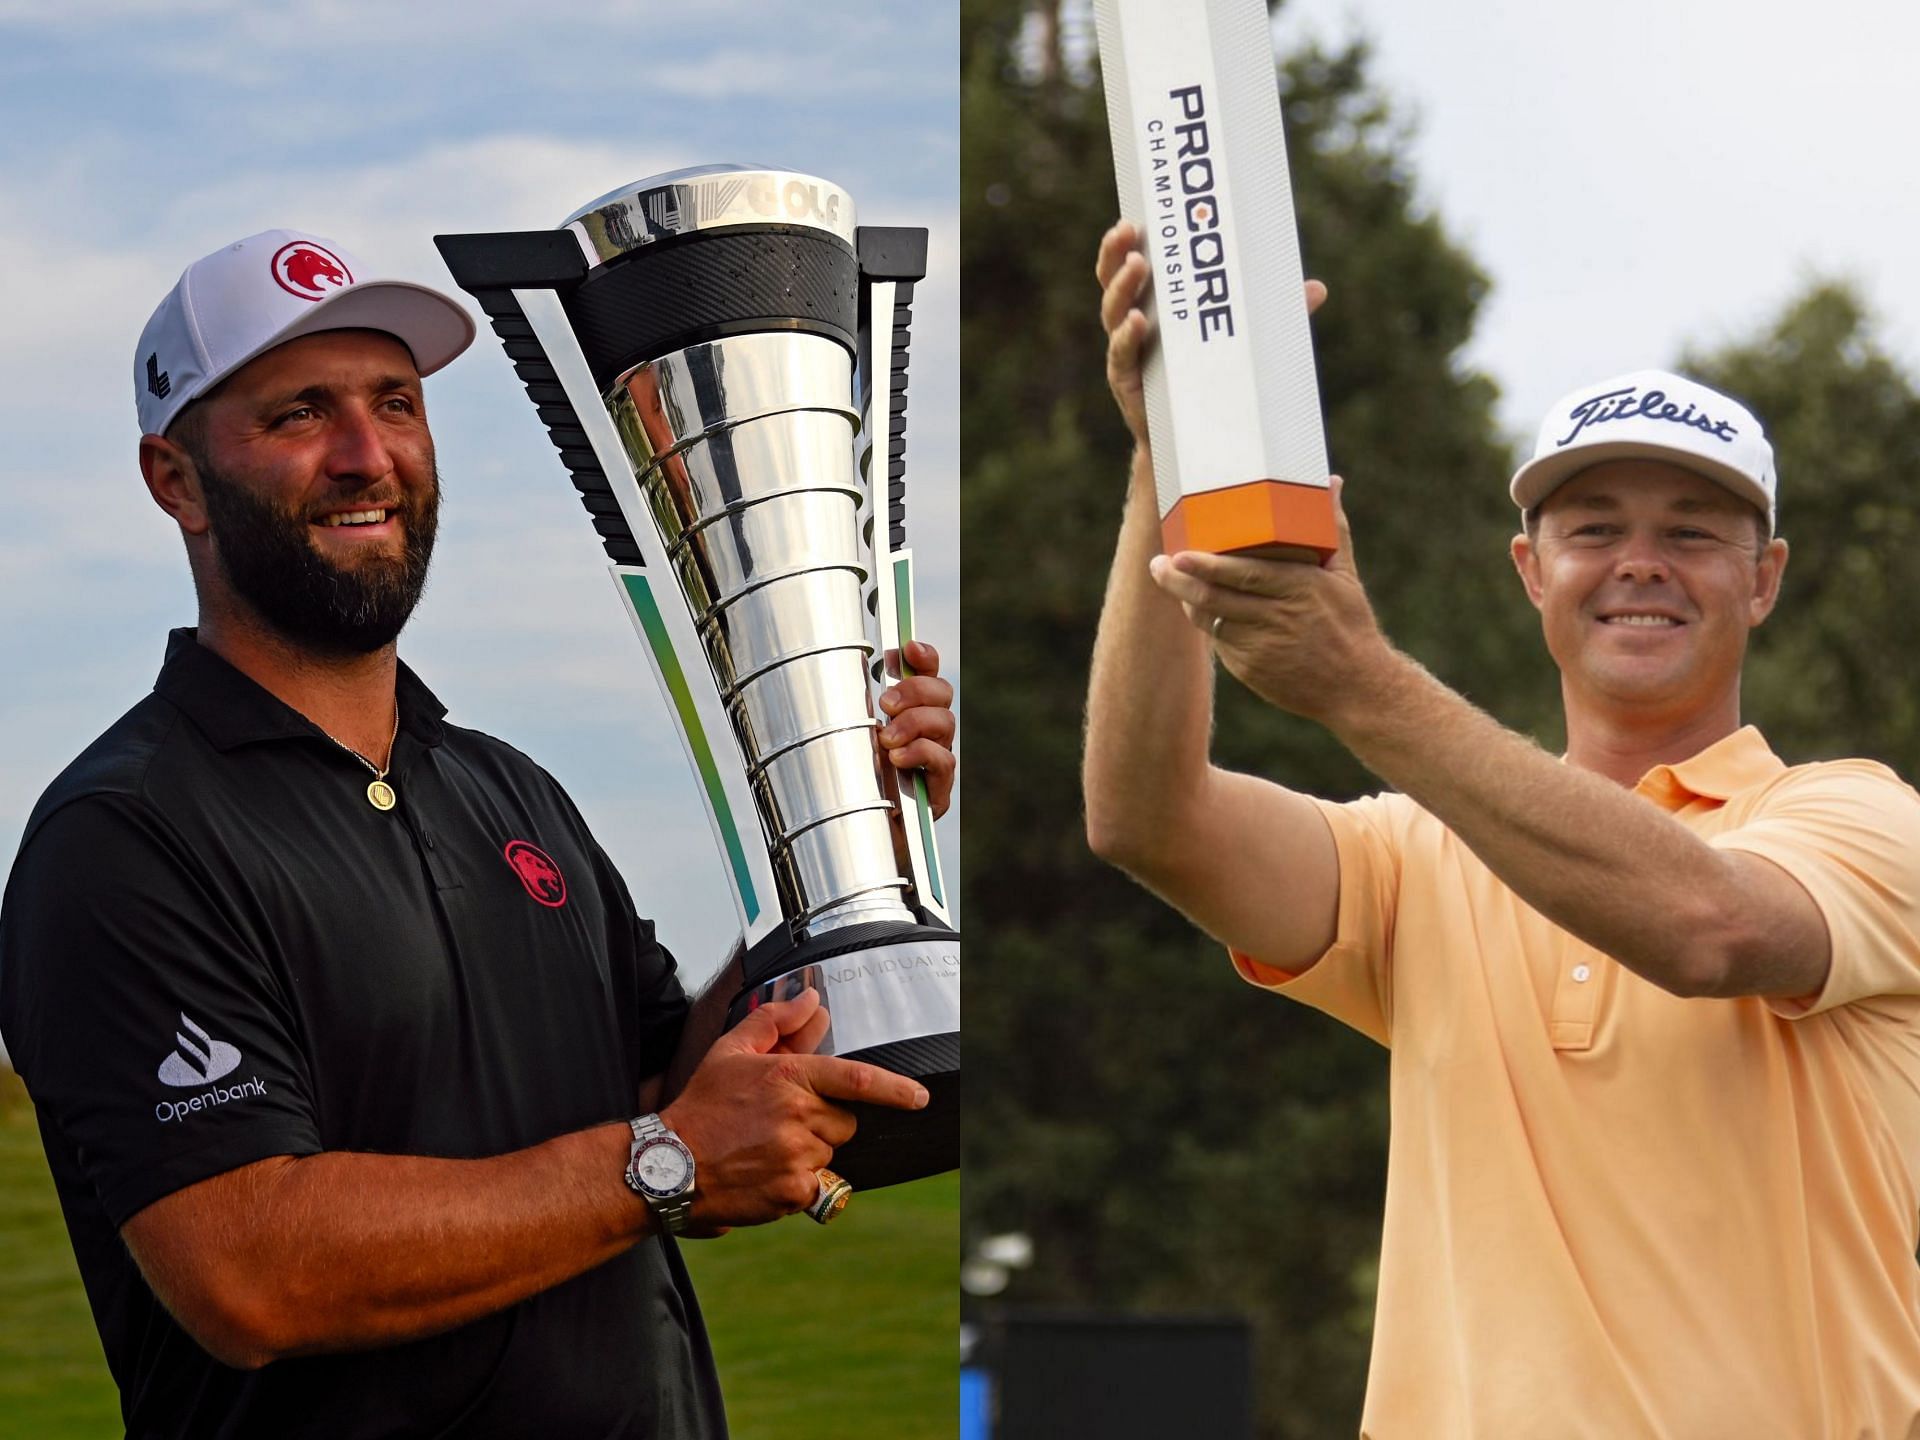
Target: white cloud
x: 294, y: 24
x: 720, y: 50
x: 79, y: 294
x: 389, y: 211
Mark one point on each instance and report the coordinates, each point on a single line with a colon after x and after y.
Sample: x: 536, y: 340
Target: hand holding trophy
x: 720, y: 357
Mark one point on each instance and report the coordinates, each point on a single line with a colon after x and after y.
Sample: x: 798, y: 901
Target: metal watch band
x: 673, y: 1213
x: 646, y: 1127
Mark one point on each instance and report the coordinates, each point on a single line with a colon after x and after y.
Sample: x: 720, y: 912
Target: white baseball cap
x: 1651, y: 415
x: 244, y: 299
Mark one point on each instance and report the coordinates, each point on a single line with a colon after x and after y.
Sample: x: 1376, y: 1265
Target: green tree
x: 1171, y: 1139
x: 1834, y: 671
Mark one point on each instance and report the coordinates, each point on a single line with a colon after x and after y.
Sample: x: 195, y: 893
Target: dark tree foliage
x: 1836, y: 670
x: 1173, y: 1140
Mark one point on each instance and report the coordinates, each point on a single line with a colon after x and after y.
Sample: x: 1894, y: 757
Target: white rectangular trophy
x: 720, y: 357
x: 1233, y: 407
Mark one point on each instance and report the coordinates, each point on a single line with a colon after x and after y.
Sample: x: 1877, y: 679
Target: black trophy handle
x: 897, y: 253
x: 490, y: 267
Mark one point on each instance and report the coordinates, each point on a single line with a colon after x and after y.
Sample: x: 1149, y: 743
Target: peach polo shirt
x: 1612, y: 1212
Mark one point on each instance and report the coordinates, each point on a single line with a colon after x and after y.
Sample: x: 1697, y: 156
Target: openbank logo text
x: 212, y: 1095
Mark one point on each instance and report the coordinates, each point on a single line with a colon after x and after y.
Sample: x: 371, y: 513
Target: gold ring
x: 831, y: 1198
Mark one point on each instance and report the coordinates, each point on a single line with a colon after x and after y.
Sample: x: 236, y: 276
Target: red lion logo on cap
x: 308, y: 270
x: 537, y: 872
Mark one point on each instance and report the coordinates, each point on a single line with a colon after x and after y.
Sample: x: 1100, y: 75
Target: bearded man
x: 373, y: 1106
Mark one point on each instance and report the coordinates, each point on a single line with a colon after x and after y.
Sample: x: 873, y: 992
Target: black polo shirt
x: 213, y: 950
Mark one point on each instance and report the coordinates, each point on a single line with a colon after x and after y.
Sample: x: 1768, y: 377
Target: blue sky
x: 143, y: 135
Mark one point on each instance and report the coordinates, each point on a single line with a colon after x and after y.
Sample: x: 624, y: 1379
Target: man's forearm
x: 1150, y: 698
x: 1249, y: 862
x: 1592, y: 857
x: 343, y: 1251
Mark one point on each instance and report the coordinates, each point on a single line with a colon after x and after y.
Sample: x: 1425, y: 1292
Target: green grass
x: 849, y: 1332
x: 53, y: 1378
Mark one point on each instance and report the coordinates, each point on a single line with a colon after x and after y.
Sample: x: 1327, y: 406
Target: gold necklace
x: 379, y: 793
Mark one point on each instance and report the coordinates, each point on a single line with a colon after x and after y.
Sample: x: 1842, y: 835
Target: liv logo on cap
x: 1651, y: 415
x: 309, y: 270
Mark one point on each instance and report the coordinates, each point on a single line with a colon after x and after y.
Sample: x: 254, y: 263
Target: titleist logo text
x: 1629, y: 404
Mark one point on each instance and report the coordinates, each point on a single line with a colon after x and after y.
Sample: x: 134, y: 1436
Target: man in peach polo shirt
x: 1653, y: 1006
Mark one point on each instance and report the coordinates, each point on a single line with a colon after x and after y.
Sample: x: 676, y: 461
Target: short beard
x: 272, y: 563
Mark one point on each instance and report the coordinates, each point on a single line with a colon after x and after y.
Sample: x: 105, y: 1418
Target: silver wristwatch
x: 660, y: 1171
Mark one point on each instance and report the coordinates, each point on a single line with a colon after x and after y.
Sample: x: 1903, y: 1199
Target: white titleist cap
x: 256, y: 293
x: 1651, y: 415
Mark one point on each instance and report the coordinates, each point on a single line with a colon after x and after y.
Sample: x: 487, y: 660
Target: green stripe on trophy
x: 903, y: 618
x: 641, y: 593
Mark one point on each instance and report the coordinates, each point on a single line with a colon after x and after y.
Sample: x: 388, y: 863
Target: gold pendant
x: 380, y: 795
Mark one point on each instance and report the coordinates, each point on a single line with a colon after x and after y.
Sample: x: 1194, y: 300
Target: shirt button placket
x: 1576, y: 1003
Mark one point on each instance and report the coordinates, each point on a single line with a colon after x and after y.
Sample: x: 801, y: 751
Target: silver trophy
x: 719, y: 354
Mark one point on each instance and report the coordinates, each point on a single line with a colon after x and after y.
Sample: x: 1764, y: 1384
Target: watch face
x: 663, y: 1168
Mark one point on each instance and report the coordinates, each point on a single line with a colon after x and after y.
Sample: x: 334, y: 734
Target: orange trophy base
x: 1273, y: 519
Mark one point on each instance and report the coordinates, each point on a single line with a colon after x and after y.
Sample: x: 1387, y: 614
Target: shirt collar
x: 1719, y: 772
x: 232, y: 710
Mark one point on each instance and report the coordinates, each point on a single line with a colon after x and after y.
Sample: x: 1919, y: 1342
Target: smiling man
x: 373, y: 1107
x: 1653, y: 1007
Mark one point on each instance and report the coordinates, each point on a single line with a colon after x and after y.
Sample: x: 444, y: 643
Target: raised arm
x: 1249, y: 862
x: 346, y: 1251
x: 1591, y: 855
x: 1584, y: 851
